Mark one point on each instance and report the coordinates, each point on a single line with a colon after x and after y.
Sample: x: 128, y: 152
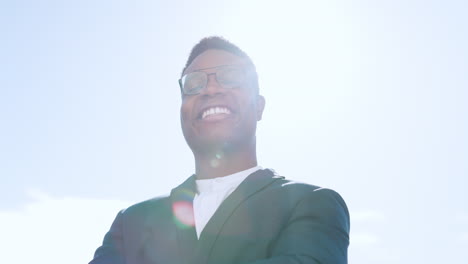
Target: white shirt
x: 212, y: 192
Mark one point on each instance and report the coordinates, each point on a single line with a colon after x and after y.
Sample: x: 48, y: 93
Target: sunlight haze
x: 368, y: 98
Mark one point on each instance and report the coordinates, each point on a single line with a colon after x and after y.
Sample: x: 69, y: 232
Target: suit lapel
x: 252, y: 184
x: 182, y: 209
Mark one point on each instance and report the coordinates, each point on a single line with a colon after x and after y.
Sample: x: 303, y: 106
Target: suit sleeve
x: 111, y: 250
x: 317, y: 232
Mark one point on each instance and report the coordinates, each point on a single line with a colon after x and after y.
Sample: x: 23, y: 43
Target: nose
x: 212, y: 85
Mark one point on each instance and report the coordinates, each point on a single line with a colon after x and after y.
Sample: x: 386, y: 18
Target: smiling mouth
x: 215, y: 113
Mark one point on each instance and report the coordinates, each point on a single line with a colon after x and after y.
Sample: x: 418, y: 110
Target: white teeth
x: 215, y: 110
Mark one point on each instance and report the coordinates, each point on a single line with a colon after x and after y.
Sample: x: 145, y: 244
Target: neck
x: 222, y: 163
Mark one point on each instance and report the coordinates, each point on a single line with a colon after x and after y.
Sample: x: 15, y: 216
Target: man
x: 231, y: 210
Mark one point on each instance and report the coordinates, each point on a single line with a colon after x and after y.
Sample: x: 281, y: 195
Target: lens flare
x: 214, y: 163
x: 183, y: 214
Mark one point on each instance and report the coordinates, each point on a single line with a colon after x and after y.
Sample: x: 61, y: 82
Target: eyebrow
x: 224, y: 65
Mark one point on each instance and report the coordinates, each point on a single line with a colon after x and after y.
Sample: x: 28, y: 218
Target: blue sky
x: 365, y: 97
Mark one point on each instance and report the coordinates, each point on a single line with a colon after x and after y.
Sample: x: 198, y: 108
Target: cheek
x: 185, y: 110
x: 184, y: 117
x: 248, y: 103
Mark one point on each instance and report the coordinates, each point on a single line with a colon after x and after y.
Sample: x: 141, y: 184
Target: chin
x: 219, y: 138
x: 217, y: 144
x: 212, y: 144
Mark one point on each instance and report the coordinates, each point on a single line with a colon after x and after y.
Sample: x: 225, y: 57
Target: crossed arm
x: 316, y: 232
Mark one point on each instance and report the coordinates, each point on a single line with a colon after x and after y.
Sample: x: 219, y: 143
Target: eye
x: 194, y: 82
x: 231, y: 77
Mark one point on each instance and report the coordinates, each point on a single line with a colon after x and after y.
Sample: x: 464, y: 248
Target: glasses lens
x: 193, y: 82
x: 230, y: 77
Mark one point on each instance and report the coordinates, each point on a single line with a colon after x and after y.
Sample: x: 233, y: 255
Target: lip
x: 203, y: 109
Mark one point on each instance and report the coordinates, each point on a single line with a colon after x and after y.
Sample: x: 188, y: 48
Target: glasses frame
x: 243, y: 67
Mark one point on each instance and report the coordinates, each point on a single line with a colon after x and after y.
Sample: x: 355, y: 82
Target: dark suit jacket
x: 266, y: 220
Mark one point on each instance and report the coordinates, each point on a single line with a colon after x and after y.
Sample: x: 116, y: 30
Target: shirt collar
x: 232, y: 180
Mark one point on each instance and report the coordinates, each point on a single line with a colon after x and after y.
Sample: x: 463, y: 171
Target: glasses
x: 228, y: 76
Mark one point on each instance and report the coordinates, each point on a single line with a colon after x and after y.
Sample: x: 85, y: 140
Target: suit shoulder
x: 144, y: 206
x: 327, y: 202
x: 295, y: 186
x: 309, y: 190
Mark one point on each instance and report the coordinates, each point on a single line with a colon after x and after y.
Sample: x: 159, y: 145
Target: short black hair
x: 219, y: 43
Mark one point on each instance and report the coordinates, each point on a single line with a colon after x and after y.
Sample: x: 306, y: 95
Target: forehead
x: 213, y: 58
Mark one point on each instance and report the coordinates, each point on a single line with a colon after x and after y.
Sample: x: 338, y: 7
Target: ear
x: 260, y: 106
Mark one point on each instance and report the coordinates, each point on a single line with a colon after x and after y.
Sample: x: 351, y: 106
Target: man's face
x: 217, y: 117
